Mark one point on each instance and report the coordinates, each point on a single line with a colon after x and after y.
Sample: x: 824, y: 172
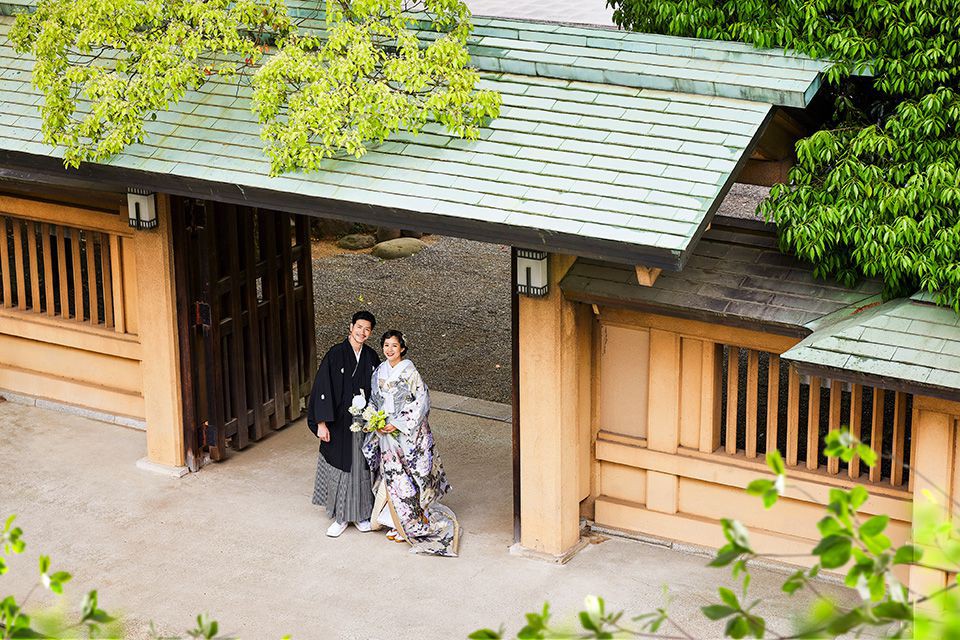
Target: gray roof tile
x: 725, y: 279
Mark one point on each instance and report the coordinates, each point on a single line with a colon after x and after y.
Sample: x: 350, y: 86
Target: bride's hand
x: 389, y: 429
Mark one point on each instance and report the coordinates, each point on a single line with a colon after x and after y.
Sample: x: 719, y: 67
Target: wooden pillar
x: 663, y: 405
x: 692, y: 393
x: 663, y: 415
x: 550, y: 409
x: 936, y: 454
x: 158, y: 338
x: 711, y: 374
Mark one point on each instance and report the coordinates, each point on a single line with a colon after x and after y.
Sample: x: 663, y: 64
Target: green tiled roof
x: 705, y: 67
x: 903, y: 343
x: 630, y: 59
x: 596, y: 168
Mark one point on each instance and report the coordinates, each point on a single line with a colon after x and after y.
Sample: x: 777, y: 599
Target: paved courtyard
x: 242, y: 541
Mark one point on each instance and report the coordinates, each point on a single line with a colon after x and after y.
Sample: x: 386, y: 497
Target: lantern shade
x: 532, y: 272
x: 142, y: 208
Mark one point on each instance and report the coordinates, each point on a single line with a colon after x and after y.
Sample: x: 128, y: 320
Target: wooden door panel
x: 247, y: 323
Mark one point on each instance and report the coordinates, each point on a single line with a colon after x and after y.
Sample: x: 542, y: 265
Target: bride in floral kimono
x: 408, y: 474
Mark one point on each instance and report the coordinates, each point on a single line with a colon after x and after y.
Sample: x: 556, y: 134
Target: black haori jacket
x: 339, y: 378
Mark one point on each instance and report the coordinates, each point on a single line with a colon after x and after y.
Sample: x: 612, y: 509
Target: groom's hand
x: 322, y: 432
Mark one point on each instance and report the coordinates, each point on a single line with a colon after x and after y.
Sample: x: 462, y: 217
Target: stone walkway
x: 241, y: 540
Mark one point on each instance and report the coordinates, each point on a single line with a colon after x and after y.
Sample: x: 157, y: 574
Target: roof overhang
x: 904, y: 344
x: 627, y: 168
x: 18, y: 167
x: 735, y: 277
x: 871, y: 380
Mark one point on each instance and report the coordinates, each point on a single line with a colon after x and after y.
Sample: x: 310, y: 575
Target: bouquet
x: 365, y: 418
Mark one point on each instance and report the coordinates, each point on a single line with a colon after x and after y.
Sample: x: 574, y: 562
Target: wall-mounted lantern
x: 532, y: 272
x: 142, y: 208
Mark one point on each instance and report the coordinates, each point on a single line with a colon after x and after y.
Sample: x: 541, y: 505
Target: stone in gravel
x: 325, y: 228
x: 399, y: 248
x: 406, y: 233
x: 356, y: 241
x: 384, y: 234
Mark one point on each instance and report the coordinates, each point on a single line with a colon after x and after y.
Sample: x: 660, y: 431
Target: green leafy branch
x: 596, y: 622
x: 882, y: 201
x: 370, y: 76
x: 107, y: 67
x: 14, y: 623
x: 93, y: 621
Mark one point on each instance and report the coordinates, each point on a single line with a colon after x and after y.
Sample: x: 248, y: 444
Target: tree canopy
x: 876, y: 192
x: 361, y: 72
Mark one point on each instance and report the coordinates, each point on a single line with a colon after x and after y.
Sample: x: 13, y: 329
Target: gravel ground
x: 742, y: 201
x: 451, y: 300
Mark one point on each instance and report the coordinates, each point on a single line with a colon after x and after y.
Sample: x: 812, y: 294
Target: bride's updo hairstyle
x: 393, y: 333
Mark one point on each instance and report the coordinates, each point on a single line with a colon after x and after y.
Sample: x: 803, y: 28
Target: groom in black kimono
x: 343, y: 477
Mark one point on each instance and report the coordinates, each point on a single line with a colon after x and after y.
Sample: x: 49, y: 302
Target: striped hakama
x: 347, y: 496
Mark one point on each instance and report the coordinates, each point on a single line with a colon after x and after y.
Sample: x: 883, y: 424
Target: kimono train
x: 407, y: 464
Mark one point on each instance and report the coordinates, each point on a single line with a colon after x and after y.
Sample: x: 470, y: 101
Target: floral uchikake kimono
x: 406, y: 462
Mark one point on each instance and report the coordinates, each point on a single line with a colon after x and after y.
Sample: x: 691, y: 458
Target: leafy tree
x: 848, y: 541
x: 107, y: 66
x: 876, y: 192
x: 373, y: 73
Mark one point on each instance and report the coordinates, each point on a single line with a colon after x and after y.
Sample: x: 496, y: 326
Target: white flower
x: 359, y: 402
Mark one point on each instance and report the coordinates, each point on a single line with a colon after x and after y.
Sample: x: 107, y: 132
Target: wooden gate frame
x: 277, y: 346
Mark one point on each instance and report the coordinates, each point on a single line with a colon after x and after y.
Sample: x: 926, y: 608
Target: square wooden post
x: 936, y: 453
x: 157, y: 313
x: 550, y: 409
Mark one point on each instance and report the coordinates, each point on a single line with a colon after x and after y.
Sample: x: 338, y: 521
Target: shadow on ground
x: 241, y: 541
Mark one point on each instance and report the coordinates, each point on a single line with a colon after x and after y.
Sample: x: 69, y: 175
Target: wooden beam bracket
x: 646, y: 276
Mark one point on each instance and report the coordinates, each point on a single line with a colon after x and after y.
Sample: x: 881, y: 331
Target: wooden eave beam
x: 646, y: 276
